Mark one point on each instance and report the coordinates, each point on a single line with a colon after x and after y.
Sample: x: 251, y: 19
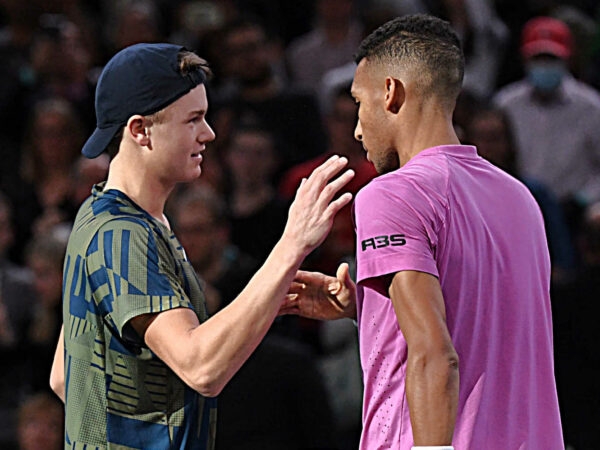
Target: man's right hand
x: 323, y: 297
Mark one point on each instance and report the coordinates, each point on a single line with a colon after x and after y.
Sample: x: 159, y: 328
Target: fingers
x: 325, y: 172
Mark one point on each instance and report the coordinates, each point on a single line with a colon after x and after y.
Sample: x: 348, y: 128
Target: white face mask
x: 546, y: 75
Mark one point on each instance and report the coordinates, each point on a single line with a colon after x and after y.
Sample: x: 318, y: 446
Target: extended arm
x: 207, y: 355
x: 57, y: 373
x: 432, y: 378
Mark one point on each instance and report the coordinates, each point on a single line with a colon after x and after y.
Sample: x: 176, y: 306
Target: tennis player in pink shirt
x: 453, y: 272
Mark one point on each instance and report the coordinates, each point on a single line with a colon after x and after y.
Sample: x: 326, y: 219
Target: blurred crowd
x: 280, y: 103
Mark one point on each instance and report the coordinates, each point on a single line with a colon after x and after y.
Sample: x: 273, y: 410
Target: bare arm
x: 432, y: 377
x: 205, y: 356
x: 57, y: 373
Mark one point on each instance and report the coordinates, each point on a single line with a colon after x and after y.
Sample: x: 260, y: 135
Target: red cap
x: 546, y: 35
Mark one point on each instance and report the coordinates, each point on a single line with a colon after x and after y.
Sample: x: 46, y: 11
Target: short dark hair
x: 423, y: 41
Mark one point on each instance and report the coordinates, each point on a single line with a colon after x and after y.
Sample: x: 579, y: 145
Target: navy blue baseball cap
x: 140, y: 79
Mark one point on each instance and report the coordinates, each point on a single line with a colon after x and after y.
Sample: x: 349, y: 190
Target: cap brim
x: 99, y: 140
x: 545, y: 47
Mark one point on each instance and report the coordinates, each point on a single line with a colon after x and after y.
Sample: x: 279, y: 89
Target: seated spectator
x: 257, y: 214
x: 330, y: 44
x: 259, y: 94
x: 201, y: 224
x: 555, y: 118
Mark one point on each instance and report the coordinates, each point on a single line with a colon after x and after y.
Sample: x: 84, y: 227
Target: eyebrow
x: 197, y: 112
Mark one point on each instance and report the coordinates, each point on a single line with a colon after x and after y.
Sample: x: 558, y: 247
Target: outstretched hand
x: 318, y: 296
x: 311, y: 214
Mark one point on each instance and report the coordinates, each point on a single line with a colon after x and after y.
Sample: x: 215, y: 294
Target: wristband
x: 433, y: 447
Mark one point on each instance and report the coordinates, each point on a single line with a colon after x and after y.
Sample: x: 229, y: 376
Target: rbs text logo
x: 376, y: 242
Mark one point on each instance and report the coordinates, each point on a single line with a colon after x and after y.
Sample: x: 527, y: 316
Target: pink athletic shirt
x: 450, y: 213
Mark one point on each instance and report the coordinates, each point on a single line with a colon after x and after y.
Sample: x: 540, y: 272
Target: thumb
x: 343, y: 276
x: 337, y: 284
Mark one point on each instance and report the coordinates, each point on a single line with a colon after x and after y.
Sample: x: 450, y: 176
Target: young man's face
x: 368, y: 89
x: 178, y: 140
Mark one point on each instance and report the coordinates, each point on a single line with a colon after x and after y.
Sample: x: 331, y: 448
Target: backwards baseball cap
x: 546, y: 35
x: 140, y: 79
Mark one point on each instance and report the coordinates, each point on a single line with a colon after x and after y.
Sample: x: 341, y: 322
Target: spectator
x: 270, y: 402
x: 340, y: 122
x: 133, y: 22
x: 51, y: 148
x: 330, y: 44
x: 257, y: 213
x: 201, y: 222
x: 260, y: 95
x: 555, y: 118
x: 277, y: 401
x: 62, y: 65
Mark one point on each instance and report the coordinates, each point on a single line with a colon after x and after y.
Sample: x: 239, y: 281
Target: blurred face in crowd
x: 56, y: 142
x: 487, y: 131
x: 545, y: 72
x: 200, y: 234
x: 248, y: 53
x: 251, y: 157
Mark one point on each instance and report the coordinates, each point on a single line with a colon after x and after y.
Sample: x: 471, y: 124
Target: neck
x: 144, y: 188
x: 430, y: 127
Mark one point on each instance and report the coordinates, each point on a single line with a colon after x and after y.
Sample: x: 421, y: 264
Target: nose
x: 358, y: 132
x: 207, y: 134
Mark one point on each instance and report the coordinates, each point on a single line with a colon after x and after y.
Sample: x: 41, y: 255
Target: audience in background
x: 257, y: 213
x: 50, y: 149
x: 44, y: 256
x: 259, y: 92
x: 279, y: 105
x: 340, y: 122
x: 330, y: 44
x: 201, y: 223
x: 17, y: 300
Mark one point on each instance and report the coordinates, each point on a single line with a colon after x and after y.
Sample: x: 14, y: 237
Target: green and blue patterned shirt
x: 121, y: 263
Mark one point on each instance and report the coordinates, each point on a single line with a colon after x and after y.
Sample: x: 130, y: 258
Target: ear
x: 394, y: 94
x: 138, y: 129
